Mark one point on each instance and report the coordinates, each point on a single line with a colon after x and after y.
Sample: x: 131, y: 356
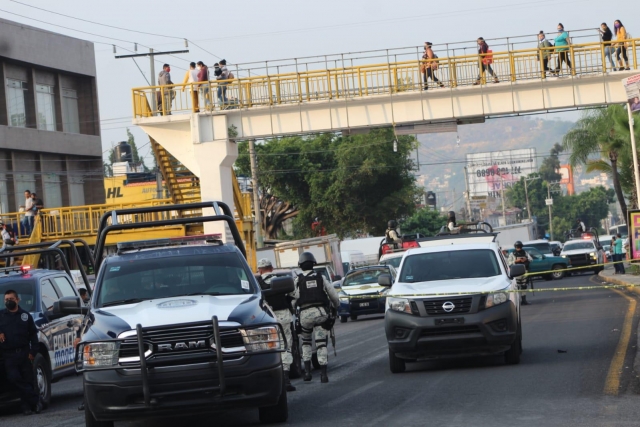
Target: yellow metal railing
x: 369, y: 80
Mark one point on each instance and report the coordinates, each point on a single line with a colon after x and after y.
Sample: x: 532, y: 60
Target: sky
x: 244, y: 31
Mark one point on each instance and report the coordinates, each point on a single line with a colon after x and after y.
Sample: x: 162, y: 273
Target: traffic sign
x: 548, y: 202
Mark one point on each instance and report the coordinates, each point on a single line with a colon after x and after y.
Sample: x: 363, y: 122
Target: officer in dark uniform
x: 19, y: 345
x: 317, y: 301
x: 391, y: 235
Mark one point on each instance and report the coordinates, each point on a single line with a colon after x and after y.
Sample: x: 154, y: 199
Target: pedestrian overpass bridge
x: 348, y: 94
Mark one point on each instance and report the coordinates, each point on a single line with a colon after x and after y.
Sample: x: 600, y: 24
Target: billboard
x: 633, y: 222
x: 632, y: 87
x: 488, y: 172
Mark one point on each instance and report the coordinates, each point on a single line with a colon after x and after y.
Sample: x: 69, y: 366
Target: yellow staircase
x: 182, y: 184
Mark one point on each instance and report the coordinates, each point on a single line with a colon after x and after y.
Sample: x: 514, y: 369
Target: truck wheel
x: 278, y: 413
x: 512, y: 356
x: 343, y: 319
x: 90, y: 421
x: 396, y: 365
x: 557, y: 272
x: 42, y: 377
x: 353, y: 317
x: 314, y: 360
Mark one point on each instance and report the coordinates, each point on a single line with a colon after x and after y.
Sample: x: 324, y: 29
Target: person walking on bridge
x: 621, y: 50
x: 606, y: 35
x: 430, y: 66
x: 485, y: 61
x: 562, y: 47
x: 545, y: 53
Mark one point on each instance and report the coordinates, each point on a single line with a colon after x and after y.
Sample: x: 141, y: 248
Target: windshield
x: 323, y: 271
x: 363, y: 277
x: 394, y: 262
x: 578, y: 245
x: 202, y: 274
x: 25, y: 290
x: 450, y: 265
x: 545, y: 248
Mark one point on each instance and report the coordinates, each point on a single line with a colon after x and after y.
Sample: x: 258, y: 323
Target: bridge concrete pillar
x: 201, y: 143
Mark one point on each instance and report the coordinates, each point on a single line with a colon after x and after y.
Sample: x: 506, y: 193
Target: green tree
x: 425, y: 221
x: 549, y: 169
x: 599, y: 141
x: 349, y: 182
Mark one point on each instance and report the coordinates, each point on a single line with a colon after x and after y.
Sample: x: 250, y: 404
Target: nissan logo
x: 448, y: 306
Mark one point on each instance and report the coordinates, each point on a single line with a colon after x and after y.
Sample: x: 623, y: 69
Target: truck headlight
x: 98, y: 355
x: 563, y: 256
x: 399, y: 304
x: 343, y: 297
x: 496, y: 299
x: 593, y: 255
x: 262, y: 339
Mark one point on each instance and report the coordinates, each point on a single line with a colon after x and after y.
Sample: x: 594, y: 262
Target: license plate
x: 364, y: 304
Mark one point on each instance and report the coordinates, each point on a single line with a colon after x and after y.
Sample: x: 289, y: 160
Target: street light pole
x: 550, y: 221
x: 526, y: 194
x: 256, y: 197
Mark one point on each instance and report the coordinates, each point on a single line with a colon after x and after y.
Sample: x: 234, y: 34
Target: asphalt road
x: 548, y: 387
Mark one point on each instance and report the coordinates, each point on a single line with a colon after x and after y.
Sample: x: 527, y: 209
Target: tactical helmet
x: 264, y: 263
x: 392, y: 223
x: 517, y: 244
x: 306, y: 257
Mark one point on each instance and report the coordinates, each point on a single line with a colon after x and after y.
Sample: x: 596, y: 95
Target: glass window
x: 22, y: 182
x: 65, y: 286
x: 578, y: 245
x: 25, y: 290
x: 4, y: 194
x: 52, y: 190
x: 45, y: 101
x: 71, y: 122
x: 49, y: 295
x: 364, y: 277
x: 76, y: 191
x: 450, y: 266
x: 16, y: 92
x: 167, y: 277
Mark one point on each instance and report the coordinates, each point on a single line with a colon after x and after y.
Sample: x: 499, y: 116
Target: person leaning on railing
x: 191, y: 76
x: 545, y: 52
x: 606, y: 35
x: 164, y: 79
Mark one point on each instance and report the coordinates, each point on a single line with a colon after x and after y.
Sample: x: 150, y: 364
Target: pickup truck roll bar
x: 56, y: 251
x: 222, y: 213
x: 70, y: 243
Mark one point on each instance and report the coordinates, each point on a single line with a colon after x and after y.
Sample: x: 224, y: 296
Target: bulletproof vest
x: 276, y: 302
x: 522, y: 253
x: 387, y: 235
x: 312, y: 291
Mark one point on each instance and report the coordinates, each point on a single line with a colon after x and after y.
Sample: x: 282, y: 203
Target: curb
x: 634, y: 288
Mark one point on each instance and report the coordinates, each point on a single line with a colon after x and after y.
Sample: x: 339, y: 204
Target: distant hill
x: 442, y: 159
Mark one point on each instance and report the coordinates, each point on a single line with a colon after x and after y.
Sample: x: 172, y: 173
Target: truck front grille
x: 435, y: 307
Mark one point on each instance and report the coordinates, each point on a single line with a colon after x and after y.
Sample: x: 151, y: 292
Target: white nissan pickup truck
x: 454, y: 296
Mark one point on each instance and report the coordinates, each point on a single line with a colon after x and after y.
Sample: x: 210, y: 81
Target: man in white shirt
x: 27, y: 222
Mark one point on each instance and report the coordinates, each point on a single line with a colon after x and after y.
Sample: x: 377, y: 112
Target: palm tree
x: 600, y: 133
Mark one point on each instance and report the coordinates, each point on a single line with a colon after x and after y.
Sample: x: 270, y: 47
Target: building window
x: 70, y: 114
x: 76, y: 191
x: 22, y: 182
x: 52, y: 190
x: 16, y: 93
x: 46, y: 107
x: 4, y: 194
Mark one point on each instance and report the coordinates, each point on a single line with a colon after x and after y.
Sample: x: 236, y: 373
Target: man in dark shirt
x: 19, y: 344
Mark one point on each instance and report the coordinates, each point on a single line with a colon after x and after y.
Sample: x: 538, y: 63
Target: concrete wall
x: 46, y: 49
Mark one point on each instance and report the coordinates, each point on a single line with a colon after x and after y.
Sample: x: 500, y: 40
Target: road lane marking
x: 340, y: 400
x: 612, y: 383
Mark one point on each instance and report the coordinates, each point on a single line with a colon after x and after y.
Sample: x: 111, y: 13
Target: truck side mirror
x: 385, y: 280
x: 68, y: 305
x: 281, y: 285
x: 517, y: 270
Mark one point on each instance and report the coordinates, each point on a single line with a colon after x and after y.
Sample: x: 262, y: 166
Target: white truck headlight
x: 262, y: 339
x: 99, y: 355
x: 399, y: 304
x: 496, y: 299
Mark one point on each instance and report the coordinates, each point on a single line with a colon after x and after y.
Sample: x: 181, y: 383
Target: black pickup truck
x: 178, y: 324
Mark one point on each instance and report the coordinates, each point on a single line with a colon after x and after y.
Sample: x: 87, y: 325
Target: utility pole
x: 504, y: 214
x: 550, y: 220
x: 466, y: 184
x: 256, y: 197
x: 152, y: 69
x: 634, y: 149
x: 526, y: 194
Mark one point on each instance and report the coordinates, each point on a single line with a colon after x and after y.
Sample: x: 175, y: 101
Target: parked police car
x: 39, y: 290
x: 475, y: 311
x: 179, y: 325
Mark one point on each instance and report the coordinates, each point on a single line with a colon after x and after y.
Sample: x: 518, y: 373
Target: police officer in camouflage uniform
x: 283, y: 309
x: 317, y: 301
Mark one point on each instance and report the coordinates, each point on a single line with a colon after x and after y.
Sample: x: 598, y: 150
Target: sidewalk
x: 621, y: 279
x: 628, y: 280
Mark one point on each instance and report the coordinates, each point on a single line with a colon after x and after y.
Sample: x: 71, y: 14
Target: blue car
x: 363, y: 283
